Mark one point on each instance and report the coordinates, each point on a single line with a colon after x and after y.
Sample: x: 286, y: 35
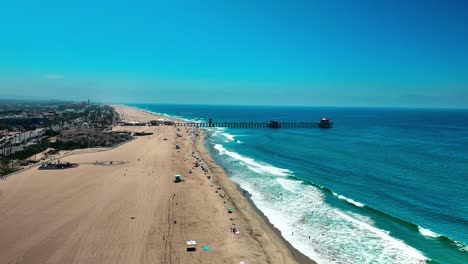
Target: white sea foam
x: 362, y: 218
x: 215, y: 133
x: 261, y: 168
x: 393, y: 245
x: 428, y: 233
x: 169, y: 116
x: 231, y: 138
x: 310, y: 224
x: 461, y: 246
x: 349, y: 200
x: 289, y: 185
x: 325, y: 234
x: 228, y: 136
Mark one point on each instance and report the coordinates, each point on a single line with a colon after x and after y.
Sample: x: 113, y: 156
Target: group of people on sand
x: 199, y: 163
x: 233, y: 230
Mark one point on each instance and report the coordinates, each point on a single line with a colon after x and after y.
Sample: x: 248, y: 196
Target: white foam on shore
x: 289, y: 185
x: 168, y: 115
x: 299, y: 210
x: 394, y: 246
x: 349, y: 200
x: 228, y: 136
x: 215, y: 131
x: 261, y: 168
x: 362, y: 218
x: 428, y: 233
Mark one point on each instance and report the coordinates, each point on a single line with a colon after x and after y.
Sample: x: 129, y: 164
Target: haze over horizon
x: 308, y: 53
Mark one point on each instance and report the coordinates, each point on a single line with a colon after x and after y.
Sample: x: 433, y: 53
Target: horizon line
x: 258, y: 105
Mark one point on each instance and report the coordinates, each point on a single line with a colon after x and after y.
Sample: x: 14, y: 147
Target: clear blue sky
x: 336, y: 53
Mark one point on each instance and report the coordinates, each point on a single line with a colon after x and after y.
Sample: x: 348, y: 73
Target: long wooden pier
x: 324, y: 123
x: 250, y: 124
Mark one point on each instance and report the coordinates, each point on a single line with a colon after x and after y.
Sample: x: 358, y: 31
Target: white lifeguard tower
x: 191, y: 245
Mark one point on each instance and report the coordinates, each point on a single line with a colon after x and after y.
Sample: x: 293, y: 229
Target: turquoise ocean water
x: 381, y: 186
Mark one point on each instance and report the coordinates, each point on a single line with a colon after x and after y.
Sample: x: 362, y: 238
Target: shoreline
x: 298, y: 256
x: 273, y: 232
x: 125, y: 205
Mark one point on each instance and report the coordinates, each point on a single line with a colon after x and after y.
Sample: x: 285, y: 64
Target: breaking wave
x: 320, y: 231
x: 349, y: 200
x: 428, y: 233
x: 253, y: 165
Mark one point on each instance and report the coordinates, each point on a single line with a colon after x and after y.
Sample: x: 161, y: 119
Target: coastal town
x: 29, y: 128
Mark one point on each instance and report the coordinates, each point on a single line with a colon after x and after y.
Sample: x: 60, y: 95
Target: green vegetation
x: 51, y: 133
x: 68, y: 145
x: 4, y: 126
x: 5, y: 167
x: 31, y: 150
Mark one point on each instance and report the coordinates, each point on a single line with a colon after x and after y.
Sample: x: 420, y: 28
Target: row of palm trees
x: 6, y: 163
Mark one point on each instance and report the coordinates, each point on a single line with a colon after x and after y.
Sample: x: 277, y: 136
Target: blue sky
x: 333, y: 53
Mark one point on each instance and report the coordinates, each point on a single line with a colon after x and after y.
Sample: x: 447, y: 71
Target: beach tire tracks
x: 167, y: 243
x: 183, y: 230
x: 170, y: 233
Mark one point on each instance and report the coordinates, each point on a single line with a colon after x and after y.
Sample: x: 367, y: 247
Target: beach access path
x: 131, y: 211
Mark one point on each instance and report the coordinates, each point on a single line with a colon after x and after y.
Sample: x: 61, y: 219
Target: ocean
x: 381, y: 186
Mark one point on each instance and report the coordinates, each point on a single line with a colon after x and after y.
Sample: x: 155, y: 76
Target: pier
x: 323, y: 123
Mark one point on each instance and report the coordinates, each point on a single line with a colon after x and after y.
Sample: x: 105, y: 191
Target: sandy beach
x: 130, y: 210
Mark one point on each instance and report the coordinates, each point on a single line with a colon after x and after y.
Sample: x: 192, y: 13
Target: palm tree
x: 5, y: 160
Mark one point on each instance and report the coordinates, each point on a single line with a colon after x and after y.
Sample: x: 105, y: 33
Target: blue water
x: 381, y: 186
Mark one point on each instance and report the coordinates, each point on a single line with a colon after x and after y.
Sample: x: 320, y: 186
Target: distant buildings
x: 58, y: 116
x: 23, y: 124
x: 22, y: 120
